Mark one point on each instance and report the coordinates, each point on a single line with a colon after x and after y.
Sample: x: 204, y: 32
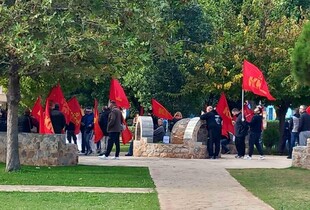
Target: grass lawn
x: 283, y: 189
x: 80, y: 175
x: 25, y: 200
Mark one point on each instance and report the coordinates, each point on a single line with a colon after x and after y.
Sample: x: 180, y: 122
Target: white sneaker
x: 247, y: 157
x: 103, y: 157
x: 262, y: 157
x: 115, y: 158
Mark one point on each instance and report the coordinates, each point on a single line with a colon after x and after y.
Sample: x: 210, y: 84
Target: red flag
x: 76, y: 114
x: 253, y: 80
x: 308, y: 110
x: 41, y: 121
x: 97, y: 130
x: 141, y: 111
x: 126, y: 134
x: 223, y: 110
x: 47, y: 127
x: 118, y: 95
x: 160, y: 111
x: 57, y: 96
x: 248, y: 113
x: 36, y: 110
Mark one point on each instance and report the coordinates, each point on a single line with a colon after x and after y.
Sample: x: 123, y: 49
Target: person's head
x: 258, y: 110
x: 113, y: 104
x: 302, y: 108
x: 160, y: 122
x: 209, y: 108
x: 178, y: 115
x: 136, y: 114
x: 105, y: 108
x: 56, y: 107
x: 235, y: 111
x: 88, y: 110
x: 27, y: 111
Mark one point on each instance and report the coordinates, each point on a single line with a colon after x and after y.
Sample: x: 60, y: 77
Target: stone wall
x: 187, y: 150
x: 42, y: 150
x: 301, y: 156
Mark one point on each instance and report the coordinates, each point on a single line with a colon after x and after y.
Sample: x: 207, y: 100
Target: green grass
x: 25, y: 200
x: 80, y: 175
x: 283, y: 189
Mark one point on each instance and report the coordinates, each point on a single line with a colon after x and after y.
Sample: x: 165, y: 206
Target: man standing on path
x: 114, y: 129
x: 58, y: 120
x: 214, y: 126
x: 304, y: 126
x: 103, y: 123
x: 241, y: 130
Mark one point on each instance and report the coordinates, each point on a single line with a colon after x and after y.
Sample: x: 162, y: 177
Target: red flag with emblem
x: 97, y: 130
x: 37, y: 109
x: 118, y: 95
x: 223, y: 110
x: 160, y: 111
x: 126, y: 134
x: 47, y: 127
x: 56, y: 96
x: 254, y: 81
x: 248, y: 113
x: 76, y: 114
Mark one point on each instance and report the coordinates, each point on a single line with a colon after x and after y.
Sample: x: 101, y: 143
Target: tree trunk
x: 13, y: 97
x: 281, y: 112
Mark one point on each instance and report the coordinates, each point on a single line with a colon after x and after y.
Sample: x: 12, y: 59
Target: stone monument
x: 301, y: 156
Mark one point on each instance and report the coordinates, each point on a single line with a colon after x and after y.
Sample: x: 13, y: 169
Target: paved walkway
x: 198, y: 184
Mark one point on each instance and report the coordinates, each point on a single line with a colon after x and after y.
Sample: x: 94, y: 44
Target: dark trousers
x: 240, y: 145
x: 130, y: 149
x: 83, y: 145
x: 71, y: 135
x: 214, y: 139
x: 113, y: 139
x: 254, y: 140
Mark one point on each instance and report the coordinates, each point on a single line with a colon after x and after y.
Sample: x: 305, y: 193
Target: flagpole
x: 242, y: 101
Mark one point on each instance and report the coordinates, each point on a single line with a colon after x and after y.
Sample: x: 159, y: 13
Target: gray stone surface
x: 42, y: 150
x: 301, y: 156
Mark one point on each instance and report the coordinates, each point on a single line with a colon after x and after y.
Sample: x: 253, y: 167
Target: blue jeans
x: 294, y: 138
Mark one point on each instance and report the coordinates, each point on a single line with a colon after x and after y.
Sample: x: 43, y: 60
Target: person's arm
x: 301, y: 122
x: 205, y: 116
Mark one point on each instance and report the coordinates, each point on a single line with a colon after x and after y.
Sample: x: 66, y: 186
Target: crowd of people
x: 111, y: 119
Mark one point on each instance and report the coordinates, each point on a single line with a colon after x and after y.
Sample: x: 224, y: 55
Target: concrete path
x: 42, y: 188
x: 198, y: 184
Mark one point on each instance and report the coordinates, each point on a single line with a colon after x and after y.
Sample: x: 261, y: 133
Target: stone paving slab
x: 42, y: 188
x: 198, y: 184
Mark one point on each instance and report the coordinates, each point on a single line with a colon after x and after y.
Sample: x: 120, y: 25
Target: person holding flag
x: 241, y: 131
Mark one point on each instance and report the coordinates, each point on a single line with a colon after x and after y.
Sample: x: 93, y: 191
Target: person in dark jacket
x: 25, y: 122
x: 255, y: 133
x: 176, y: 117
x: 103, y: 123
x: 241, y: 131
x: 214, y: 126
x: 58, y: 120
x: 70, y: 132
x: 114, y: 129
x: 88, y: 123
x: 159, y: 132
x: 304, y: 126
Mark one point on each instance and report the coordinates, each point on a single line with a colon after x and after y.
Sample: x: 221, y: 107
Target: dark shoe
x: 228, y: 152
x: 90, y: 152
x: 101, y: 154
x: 289, y: 157
x: 128, y: 154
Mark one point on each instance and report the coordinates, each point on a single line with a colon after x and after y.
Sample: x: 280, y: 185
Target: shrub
x: 271, y: 134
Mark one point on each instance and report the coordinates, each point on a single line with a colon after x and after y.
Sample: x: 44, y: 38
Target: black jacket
x: 304, y: 123
x: 241, y: 127
x: 213, y: 120
x: 256, y: 124
x: 25, y: 124
x: 103, y: 121
x: 58, y: 121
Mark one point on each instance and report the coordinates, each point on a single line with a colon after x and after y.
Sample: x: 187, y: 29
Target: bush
x: 271, y: 134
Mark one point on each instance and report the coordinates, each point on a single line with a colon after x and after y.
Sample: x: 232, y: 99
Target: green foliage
x: 301, y: 56
x: 271, y: 134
